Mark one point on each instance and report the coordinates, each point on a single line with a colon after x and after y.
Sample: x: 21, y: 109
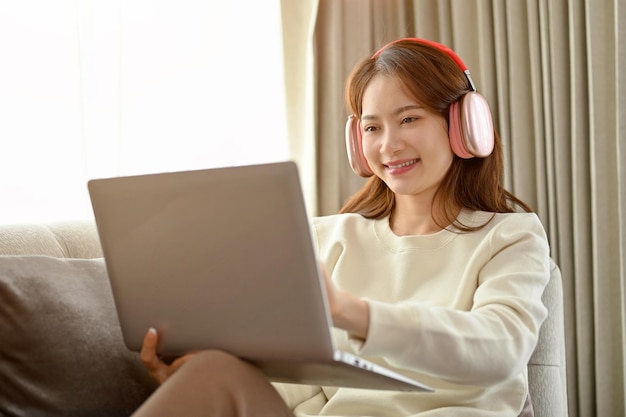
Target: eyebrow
x: 396, y: 112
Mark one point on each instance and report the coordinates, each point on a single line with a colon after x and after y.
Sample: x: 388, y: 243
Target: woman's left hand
x: 158, y: 369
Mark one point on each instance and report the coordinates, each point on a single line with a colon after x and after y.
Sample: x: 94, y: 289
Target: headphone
x: 470, y: 128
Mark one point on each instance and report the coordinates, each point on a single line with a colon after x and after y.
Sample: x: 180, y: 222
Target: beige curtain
x: 298, y: 24
x: 554, y: 74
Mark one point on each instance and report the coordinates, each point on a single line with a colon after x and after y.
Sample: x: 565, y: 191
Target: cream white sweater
x: 458, y: 311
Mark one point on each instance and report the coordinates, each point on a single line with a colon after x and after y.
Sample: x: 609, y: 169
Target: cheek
x: 369, y: 150
x: 447, y: 156
x: 444, y: 147
x: 447, y: 161
x: 442, y: 153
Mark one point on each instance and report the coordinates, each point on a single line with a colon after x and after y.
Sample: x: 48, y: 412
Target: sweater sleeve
x: 486, y: 344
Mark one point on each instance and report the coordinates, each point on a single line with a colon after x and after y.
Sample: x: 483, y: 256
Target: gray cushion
x: 61, y: 349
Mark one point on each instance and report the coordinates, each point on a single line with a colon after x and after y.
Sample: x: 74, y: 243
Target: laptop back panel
x: 233, y: 243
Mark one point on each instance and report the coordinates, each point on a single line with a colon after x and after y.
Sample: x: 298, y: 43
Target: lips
x: 398, y: 165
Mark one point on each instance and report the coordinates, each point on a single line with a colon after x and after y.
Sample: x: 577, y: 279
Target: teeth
x: 402, y: 165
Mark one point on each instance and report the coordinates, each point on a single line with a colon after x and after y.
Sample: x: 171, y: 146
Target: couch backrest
x: 70, y: 239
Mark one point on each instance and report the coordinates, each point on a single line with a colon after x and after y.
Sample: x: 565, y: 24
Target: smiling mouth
x: 402, y: 165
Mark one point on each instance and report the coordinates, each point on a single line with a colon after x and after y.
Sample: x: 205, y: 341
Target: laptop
x: 223, y: 258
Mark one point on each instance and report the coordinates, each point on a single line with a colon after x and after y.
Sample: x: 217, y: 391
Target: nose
x: 391, y: 142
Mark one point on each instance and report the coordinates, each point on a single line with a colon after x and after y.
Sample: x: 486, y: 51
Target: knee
x: 212, y: 357
x: 217, y: 362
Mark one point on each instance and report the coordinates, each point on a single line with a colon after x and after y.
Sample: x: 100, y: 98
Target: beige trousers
x: 214, y: 383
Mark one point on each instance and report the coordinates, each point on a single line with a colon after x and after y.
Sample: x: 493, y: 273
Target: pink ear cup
x: 477, y: 125
x: 455, y: 132
x: 354, y: 146
x: 471, y: 127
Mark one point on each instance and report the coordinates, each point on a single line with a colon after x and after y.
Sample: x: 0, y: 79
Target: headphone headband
x: 439, y: 46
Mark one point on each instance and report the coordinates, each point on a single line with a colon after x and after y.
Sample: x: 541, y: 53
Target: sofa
x: 61, y: 348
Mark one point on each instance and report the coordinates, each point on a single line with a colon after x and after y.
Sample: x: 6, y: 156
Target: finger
x: 324, y: 272
x: 148, y: 355
x: 328, y: 283
x: 157, y: 369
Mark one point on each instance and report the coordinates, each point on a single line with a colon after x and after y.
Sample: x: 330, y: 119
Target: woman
x: 432, y: 268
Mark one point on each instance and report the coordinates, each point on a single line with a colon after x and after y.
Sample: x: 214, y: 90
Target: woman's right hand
x: 158, y: 369
x: 348, y: 312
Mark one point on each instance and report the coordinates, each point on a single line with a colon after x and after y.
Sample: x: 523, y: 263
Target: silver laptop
x: 223, y: 258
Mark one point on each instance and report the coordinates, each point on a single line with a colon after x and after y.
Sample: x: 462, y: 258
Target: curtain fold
x: 298, y: 23
x: 552, y: 71
x: 602, y: 84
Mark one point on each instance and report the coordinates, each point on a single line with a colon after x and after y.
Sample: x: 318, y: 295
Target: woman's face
x: 405, y: 144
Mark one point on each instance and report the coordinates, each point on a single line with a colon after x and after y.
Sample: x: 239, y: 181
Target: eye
x: 369, y: 128
x: 408, y: 119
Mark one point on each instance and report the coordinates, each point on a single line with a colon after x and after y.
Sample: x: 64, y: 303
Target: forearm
x: 479, y: 347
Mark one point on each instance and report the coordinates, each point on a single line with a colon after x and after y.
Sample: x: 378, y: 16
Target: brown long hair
x: 436, y: 81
